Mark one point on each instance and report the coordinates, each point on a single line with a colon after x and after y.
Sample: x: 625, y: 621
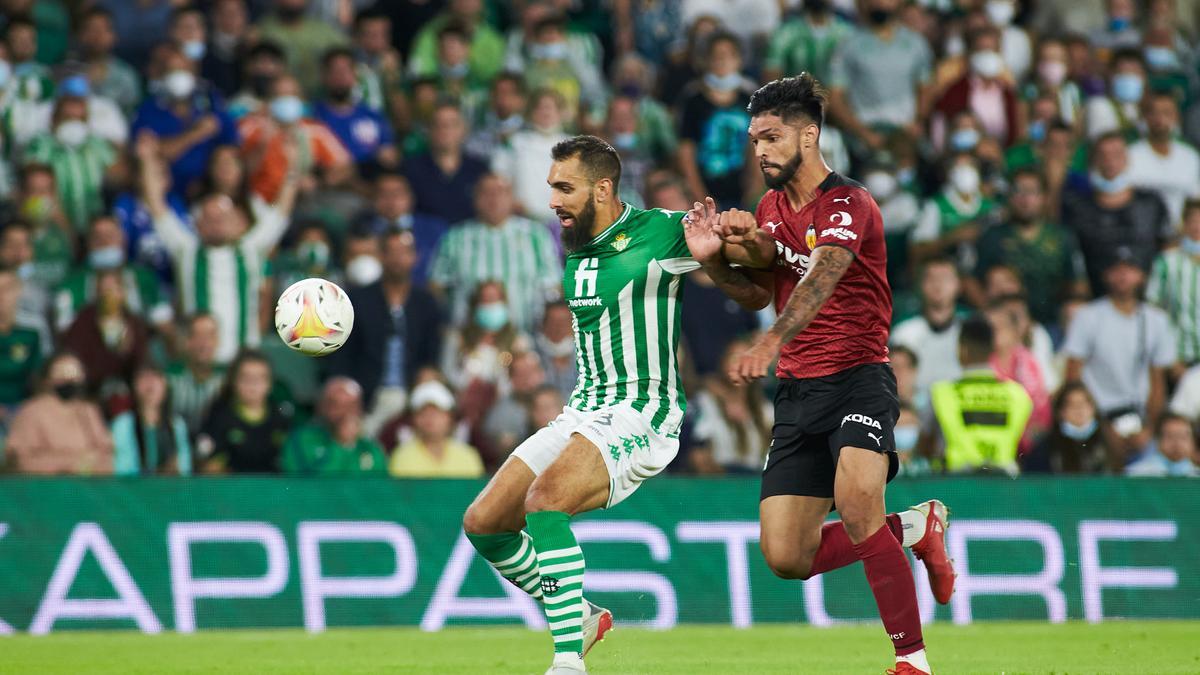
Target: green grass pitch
x: 1115, y: 647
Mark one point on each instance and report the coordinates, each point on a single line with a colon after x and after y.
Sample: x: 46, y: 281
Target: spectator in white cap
x: 433, y: 452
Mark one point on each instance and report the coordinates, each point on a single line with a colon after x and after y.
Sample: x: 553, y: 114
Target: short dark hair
x: 976, y: 338
x: 93, y: 13
x: 1128, y: 54
x: 791, y: 97
x: 454, y: 28
x: 1106, y: 137
x: 1029, y: 172
x: 372, y: 13
x: 717, y: 37
x: 1190, y: 205
x: 266, y: 48
x: 598, y: 158
x: 1169, y: 417
x: 334, y: 54
x: 510, y: 76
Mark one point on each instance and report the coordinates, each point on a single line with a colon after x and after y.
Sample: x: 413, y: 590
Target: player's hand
x: 737, y: 227
x: 699, y: 231
x: 754, y: 362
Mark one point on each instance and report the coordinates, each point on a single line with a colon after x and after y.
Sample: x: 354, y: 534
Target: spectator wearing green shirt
x: 1044, y: 254
x: 51, y: 237
x: 951, y: 221
x: 79, y: 159
x: 108, y: 75
x: 655, y: 131
x: 150, y: 439
x: 196, y: 380
x: 20, y: 350
x: 303, y: 39
x: 806, y: 42
x: 486, y: 49
x: 380, y: 73
x: 334, y: 443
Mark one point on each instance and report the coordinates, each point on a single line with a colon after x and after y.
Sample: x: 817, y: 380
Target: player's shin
x: 561, y: 563
x: 513, y: 556
x: 895, y: 592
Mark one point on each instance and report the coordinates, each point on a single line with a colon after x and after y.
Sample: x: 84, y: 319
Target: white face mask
x: 881, y: 184
x: 964, y: 178
x: 1000, y: 12
x: 1053, y: 73
x: 179, y: 84
x: 987, y: 64
x: 72, y: 133
x: 363, y: 270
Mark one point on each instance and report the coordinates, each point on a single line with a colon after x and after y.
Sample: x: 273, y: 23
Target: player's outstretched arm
x: 828, y: 265
x: 751, y: 289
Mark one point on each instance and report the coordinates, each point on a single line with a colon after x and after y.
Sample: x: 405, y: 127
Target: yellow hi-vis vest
x: 982, y: 420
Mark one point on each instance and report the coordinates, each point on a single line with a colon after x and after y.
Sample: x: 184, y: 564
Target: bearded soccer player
x: 621, y: 426
x: 832, y: 445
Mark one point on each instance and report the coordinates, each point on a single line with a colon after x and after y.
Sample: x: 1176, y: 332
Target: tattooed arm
x: 828, y: 265
x: 752, y: 289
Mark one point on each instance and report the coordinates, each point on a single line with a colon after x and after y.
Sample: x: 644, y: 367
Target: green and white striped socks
x: 512, y: 554
x: 560, y: 561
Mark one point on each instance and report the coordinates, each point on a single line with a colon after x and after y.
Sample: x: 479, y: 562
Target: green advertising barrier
x: 180, y: 554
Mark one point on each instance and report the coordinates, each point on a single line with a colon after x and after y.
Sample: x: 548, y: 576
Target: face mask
x: 72, y: 133
x: 561, y: 349
x: 906, y: 176
x: 1161, y: 58
x: 1001, y: 13
x: 364, y: 270
x: 879, y: 17
x: 955, y: 46
x: 5, y: 73
x: 625, y: 141
x: 1109, y: 186
x: 906, y: 438
x: 455, y: 72
x: 511, y: 123
x: 194, y: 50
x: 1077, y: 433
x: 1052, y: 73
x: 964, y: 179
x: 315, y: 254
x: 1190, y: 246
x: 723, y: 83
x: 106, y: 258
x: 25, y: 271
x: 881, y: 184
x: 1127, y: 87
x: 987, y: 64
x: 492, y: 316
x: 963, y: 140
x: 179, y: 84
x: 260, y: 85
x: 69, y: 390
x: 287, y: 109
x: 1118, y: 23
x: 550, y: 51
x: 1037, y: 131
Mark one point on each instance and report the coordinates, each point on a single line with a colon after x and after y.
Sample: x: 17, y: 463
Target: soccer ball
x: 314, y: 316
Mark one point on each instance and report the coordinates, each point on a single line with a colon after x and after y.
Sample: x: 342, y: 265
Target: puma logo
x: 877, y: 439
x: 844, y: 200
x: 772, y: 226
x: 937, y: 526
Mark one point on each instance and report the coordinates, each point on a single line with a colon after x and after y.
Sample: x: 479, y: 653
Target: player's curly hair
x: 598, y: 158
x: 791, y: 97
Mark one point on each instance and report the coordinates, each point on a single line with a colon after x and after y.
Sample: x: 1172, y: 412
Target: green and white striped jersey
x: 624, y: 292
x: 1174, y: 285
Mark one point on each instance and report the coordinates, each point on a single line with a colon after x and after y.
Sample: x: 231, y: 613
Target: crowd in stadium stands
x: 167, y: 168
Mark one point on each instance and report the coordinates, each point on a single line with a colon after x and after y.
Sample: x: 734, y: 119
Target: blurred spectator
x: 360, y: 258
x: 980, y: 418
x: 1015, y: 44
x: 229, y: 39
x: 140, y: 25
x: 150, y: 438
x: 1121, y: 348
x: 487, y: 46
x: 480, y: 351
x: 651, y: 27
x: 711, y: 321
x: 392, y: 209
x: 712, y: 150
x: 455, y: 79
x: 59, y: 431
x: 986, y: 90
x: 1120, y: 30
x: 397, y: 331
x: 1186, y: 399
x: 1111, y: 218
x: 564, y: 62
x: 1165, y: 72
x: 1055, y: 157
x: 334, y: 443
x: 686, y: 64
x: 555, y: 344
x: 311, y: 256
x: 1162, y: 164
x: 904, y: 364
x: 1174, y: 453
x: 20, y: 347
x: 1175, y: 286
x: 80, y: 160
x: 1012, y: 360
x: 900, y: 210
x: 33, y: 303
x: 220, y: 268
x: 304, y: 39
x: 907, y: 433
x: 262, y: 64
x: 499, y: 246
x: 110, y: 340
x: 188, y: 117
x: 806, y: 42
x: 877, y: 75
x: 244, y: 431
x: 1050, y: 78
x: 934, y: 334
x: 1119, y: 110
x: 106, y: 251
x: 51, y: 235
x: 379, y: 69
x: 507, y: 422
x: 432, y: 452
x: 142, y: 243
x: 443, y: 175
x: 109, y: 76
x: 655, y: 132
x: 752, y: 21
x: 21, y: 40
x: 320, y: 160
x: 547, y: 404
x: 196, y: 378
x: 620, y: 129
x: 189, y: 32
x: 734, y: 423
x: 1033, y: 335
x: 503, y: 116
x: 956, y: 216
x: 1076, y: 442
x: 365, y: 133
x: 53, y: 24
x: 1044, y: 254
x: 525, y: 161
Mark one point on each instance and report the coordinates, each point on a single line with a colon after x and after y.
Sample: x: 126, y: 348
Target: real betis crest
x: 621, y: 241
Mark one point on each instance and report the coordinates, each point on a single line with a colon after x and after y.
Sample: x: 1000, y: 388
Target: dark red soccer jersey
x: 852, y: 327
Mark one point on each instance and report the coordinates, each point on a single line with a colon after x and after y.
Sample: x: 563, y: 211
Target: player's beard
x: 579, y: 234
x: 785, y: 174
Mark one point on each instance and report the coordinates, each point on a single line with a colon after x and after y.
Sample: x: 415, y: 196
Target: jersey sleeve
x: 842, y: 218
x: 674, y: 256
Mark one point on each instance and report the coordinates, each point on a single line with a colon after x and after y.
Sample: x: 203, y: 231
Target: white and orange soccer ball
x: 314, y: 316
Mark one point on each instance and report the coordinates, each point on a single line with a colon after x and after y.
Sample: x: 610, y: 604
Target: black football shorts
x: 816, y: 417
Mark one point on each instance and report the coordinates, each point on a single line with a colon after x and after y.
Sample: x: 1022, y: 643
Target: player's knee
x: 788, y: 562
x: 858, y: 520
x: 478, y: 521
x: 540, y: 498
